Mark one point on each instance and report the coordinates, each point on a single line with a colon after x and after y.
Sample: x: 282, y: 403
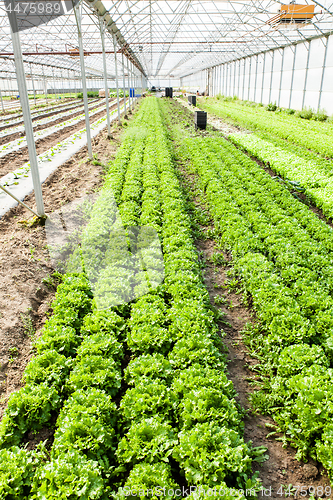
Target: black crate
x: 168, y: 91
x: 200, y: 119
x: 192, y: 99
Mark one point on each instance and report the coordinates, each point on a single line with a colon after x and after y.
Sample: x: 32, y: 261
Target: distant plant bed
x: 312, y: 134
x: 90, y: 93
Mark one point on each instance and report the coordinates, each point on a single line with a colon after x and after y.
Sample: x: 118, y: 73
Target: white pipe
x: 116, y: 71
x: 128, y: 83
x: 33, y: 85
x: 19, y: 201
x: 2, y: 105
x: 22, y: 85
x: 124, y: 88
x: 78, y: 14
x: 102, y: 29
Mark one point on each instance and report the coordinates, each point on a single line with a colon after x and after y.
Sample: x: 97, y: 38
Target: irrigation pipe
x: 19, y: 201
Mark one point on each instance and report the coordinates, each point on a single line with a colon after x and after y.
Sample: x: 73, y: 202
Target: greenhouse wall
x: 296, y: 76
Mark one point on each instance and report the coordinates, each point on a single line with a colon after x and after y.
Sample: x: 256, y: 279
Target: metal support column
x: 270, y: 85
x: 108, y: 121
x: 129, y: 86
x: 234, y: 79
x: 281, y: 76
x: 68, y: 80
x: 248, y: 90
x: 255, y: 79
x: 244, y: 79
x: 306, y: 75
x: 239, y: 67
x: 45, y: 84
x: 133, y: 85
x: 230, y: 79
x: 2, y: 105
x: 116, y: 70
x: 54, y: 93
x: 78, y: 18
x: 292, y: 77
x: 263, y: 78
x: 124, y: 86
x: 24, y: 98
x: 225, y: 78
x: 62, y: 82
x: 33, y: 85
x: 322, y: 75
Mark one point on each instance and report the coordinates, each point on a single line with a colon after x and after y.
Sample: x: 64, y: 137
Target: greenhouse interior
x: 166, y: 228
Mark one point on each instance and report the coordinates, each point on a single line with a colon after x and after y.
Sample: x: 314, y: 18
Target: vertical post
x: 133, y: 85
x: 281, y: 75
x: 239, y: 71
x: 244, y: 79
x: 33, y: 85
x: 75, y: 83
x: 292, y: 77
x: 250, y: 69
x: 124, y: 87
x: 270, y: 85
x: 226, y: 78
x: 106, y: 87
x: 116, y: 70
x: 78, y: 18
x: 54, y: 92
x: 234, y: 86
x: 62, y: 82
x: 45, y: 84
x: 2, y: 105
x: 221, y: 78
x: 322, y: 75
x: 24, y: 98
x: 263, y: 78
x: 229, y: 78
x: 255, y: 79
x: 68, y: 80
x: 129, y: 86
x: 306, y: 75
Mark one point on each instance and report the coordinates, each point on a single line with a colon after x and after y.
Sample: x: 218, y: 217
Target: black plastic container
x: 200, y: 120
x: 168, y: 91
x: 192, y: 99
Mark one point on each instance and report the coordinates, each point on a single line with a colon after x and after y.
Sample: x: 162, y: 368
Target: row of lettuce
x: 302, y: 164
x: 312, y: 135
x: 310, y: 175
x: 137, y: 393
x: 283, y: 254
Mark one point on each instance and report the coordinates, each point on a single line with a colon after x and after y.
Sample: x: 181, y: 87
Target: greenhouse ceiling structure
x: 165, y: 39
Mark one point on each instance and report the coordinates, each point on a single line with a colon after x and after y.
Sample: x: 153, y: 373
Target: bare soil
x: 25, y: 271
x: 17, y: 135
x: 48, y: 113
x: 16, y: 159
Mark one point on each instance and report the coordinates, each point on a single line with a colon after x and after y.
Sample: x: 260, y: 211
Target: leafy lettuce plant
x: 150, y: 440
